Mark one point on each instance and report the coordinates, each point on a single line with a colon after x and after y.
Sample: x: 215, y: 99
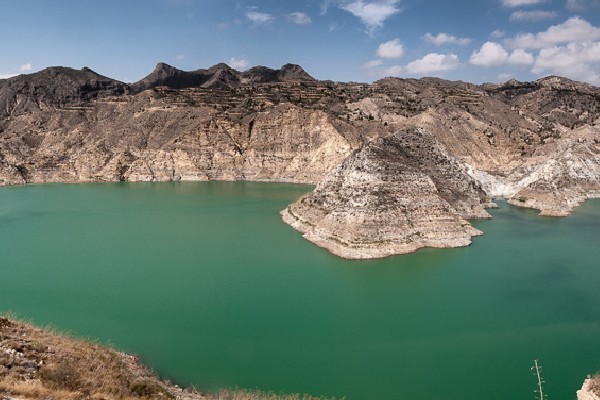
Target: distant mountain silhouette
x: 218, y: 76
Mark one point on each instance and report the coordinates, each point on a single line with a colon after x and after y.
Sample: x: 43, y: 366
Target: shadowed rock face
x: 220, y: 76
x: 55, y: 87
x: 400, y: 163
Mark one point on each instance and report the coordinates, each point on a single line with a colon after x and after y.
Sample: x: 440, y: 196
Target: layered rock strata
x: 396, y: 150
x: 393, y: 196
x: 590, y: 389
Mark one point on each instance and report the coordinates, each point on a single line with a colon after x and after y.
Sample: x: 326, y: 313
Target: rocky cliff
x: 399, y: 164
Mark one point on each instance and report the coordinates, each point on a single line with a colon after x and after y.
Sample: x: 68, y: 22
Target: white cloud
x: 518, y: 3
x: 25, y: 67
x: 498, y: 33
x: 372, y: 64
x: 576, y: 60
x: 239, y: 64
x: 575, y: 29
x: 390, y: 49
x: 6, y: 76
x: 433, y: 62
x: 445, y: 38
x: 259, y: 18
x: 489, y: 55
x: 532, y: 16
x: 179, y: 57
x: 520, y: 57
x: 298, y: 18
x: 372, y: 13
x: 392, y: 70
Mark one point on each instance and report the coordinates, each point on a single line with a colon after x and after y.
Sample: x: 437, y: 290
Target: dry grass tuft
x: 46, y: 364
x: 43, y: 363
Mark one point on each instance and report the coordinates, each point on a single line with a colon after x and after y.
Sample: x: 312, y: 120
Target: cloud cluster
x: 433, y: 63
x: 532, y: 16
x: 239, y: 64
x: 575, y: 29
x: 372, y: 13
x: 391, y: 49
x: 429, y: 64
x: 298, y: 18
x: 445, y: 38
x: 518, y: 3
x: 259, y: 18
x: 570, y: 49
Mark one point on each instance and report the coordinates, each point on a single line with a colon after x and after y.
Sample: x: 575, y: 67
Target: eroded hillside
x: 399, y: 164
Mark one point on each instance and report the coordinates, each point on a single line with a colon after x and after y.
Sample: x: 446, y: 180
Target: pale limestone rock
x: 589, y: 391
x: 390, y: 198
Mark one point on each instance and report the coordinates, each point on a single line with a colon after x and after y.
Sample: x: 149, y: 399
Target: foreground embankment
x: 44, y: 364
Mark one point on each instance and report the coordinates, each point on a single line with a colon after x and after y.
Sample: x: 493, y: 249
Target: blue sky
x: 359, y: 40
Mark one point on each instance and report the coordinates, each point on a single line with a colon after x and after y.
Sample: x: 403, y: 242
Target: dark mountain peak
x: 220, y: 67
x: 221, y: 76
x: 164, y: 68
x: 167, y: 75
x: 289, y: 72
x: 293, y: 72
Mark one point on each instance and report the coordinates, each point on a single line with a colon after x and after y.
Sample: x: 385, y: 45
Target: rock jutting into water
x: 590, y: 389
x: 399, y: 164
x: 393, y: 196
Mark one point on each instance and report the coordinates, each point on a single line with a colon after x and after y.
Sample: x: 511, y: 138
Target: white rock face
x: 394, y: 196
x: 589, y: 391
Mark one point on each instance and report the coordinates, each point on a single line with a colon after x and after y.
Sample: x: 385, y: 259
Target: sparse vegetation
x: 46, y: 364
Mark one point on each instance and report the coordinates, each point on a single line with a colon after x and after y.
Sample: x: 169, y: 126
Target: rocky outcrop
x: 394, y: 196
x: 426, y: 153
x: 590, y: 389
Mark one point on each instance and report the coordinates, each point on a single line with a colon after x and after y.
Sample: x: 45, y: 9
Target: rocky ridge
x: 218, y: 76
x: 399, y: 164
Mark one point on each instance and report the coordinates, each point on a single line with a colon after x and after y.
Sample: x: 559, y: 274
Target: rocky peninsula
x: 398, y: 164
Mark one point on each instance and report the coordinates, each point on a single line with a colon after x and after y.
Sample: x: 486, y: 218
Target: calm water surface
x: 210, y: 288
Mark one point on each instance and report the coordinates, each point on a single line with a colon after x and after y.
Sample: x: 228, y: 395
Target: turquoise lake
x: 206, y: 284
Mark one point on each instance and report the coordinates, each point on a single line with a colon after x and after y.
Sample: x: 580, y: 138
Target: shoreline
x: 43, y: 363
x: 361, y: 252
